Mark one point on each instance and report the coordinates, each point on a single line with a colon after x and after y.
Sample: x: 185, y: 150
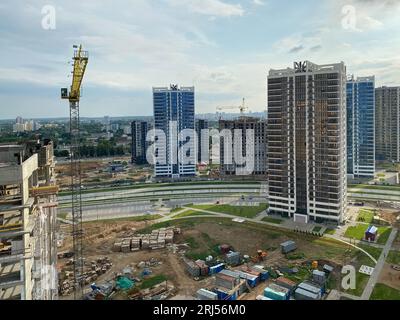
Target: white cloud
x: 259, y: 2
x: 210, y: 7
x: 366, y: 15
x: 137, y: 44
x: 297, y: 42
x: 372, y: 23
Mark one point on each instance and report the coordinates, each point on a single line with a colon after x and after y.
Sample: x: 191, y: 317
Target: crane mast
x: 242, y: 108
x: 80, y: 60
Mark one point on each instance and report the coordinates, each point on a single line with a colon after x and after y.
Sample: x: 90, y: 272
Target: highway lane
x: 109, y: 195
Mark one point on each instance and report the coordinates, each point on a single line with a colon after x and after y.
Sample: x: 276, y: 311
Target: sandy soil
x: 94, y: 171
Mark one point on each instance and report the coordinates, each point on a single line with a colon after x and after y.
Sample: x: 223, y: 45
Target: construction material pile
x: 92, y: 271
x: 157, y: 239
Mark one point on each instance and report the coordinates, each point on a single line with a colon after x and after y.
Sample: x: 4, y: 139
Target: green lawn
x: 303, y: 274
x: 384, y: 233
x: 316, y: 229
x: 373, y: 187
x: 393, y: 257
x: 147, y: 217
x: 192, y: 243
x: 358, y: 232
x: 384, y: 292
x: 62, y: 215
x: 375, y: 252
x: 362, y: 259
x: 175, y: 210
x: 190, y: 213
x: 329, y: 231
x: 152, y: 281
x: 365, y: 215
x: 240, y: 211
x: 209, y: 247
x: 295, y: 256
x: 272, y: 220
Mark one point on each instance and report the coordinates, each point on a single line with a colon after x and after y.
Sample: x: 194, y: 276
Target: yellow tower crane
x: 242, y: 108
x: 80, y: 61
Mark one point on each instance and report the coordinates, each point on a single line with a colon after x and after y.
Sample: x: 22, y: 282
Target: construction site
x: 223, y: 246
x: 202, y: 259
x: 28, y: 222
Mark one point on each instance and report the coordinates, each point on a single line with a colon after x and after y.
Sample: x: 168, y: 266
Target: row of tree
x: 103, y: 149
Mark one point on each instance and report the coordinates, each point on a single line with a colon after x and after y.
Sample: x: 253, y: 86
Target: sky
x: 224, y: 48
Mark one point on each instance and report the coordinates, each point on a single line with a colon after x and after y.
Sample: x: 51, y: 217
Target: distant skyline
x: 224, y: 48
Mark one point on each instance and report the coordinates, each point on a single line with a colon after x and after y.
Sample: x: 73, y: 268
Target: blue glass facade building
x: 361, y: 126
x: 174, y: 110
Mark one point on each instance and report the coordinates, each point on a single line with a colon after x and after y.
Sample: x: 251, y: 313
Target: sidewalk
x: 378, y: 267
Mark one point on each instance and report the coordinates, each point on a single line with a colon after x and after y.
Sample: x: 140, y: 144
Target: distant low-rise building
x: 25, y: 126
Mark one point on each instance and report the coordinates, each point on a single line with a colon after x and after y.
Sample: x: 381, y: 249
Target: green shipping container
x: 274, y: 295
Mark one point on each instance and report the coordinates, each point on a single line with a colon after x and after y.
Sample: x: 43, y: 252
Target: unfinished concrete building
x: 257, y: 155
x: 28, y: 244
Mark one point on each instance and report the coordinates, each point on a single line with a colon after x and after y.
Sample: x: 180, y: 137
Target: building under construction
x: 228, y: 163
x: 28, y: 244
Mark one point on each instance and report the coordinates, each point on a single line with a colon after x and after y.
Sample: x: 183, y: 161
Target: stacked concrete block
x: 169, y: 236
x: 117, y: 246
x: 126, y: 245
x: 135, y: 244
x: 145, y: 243
x: 157, y: 239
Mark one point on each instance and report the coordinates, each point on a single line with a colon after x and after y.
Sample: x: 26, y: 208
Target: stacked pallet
x: 126, y: 245
x: 157, y: 239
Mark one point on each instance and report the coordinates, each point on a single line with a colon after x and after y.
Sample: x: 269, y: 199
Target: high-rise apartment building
x: 306, y: 135
x: 258, y: 150
x: 387, y: 123
x: 139, y: 131
x: 361, y: 126
x: 174, y: 117
x: 202, y: 143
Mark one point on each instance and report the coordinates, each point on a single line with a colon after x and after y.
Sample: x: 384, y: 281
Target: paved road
x: 378, y: 267
x: 166, y: 190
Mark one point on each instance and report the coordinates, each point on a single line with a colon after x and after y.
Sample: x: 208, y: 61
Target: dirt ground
x: 95, y: 171
x: 249, y: 241
x: 390, y: 277
x: 100, y: 236
x: 98, y: 243
x: 390, y: 215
